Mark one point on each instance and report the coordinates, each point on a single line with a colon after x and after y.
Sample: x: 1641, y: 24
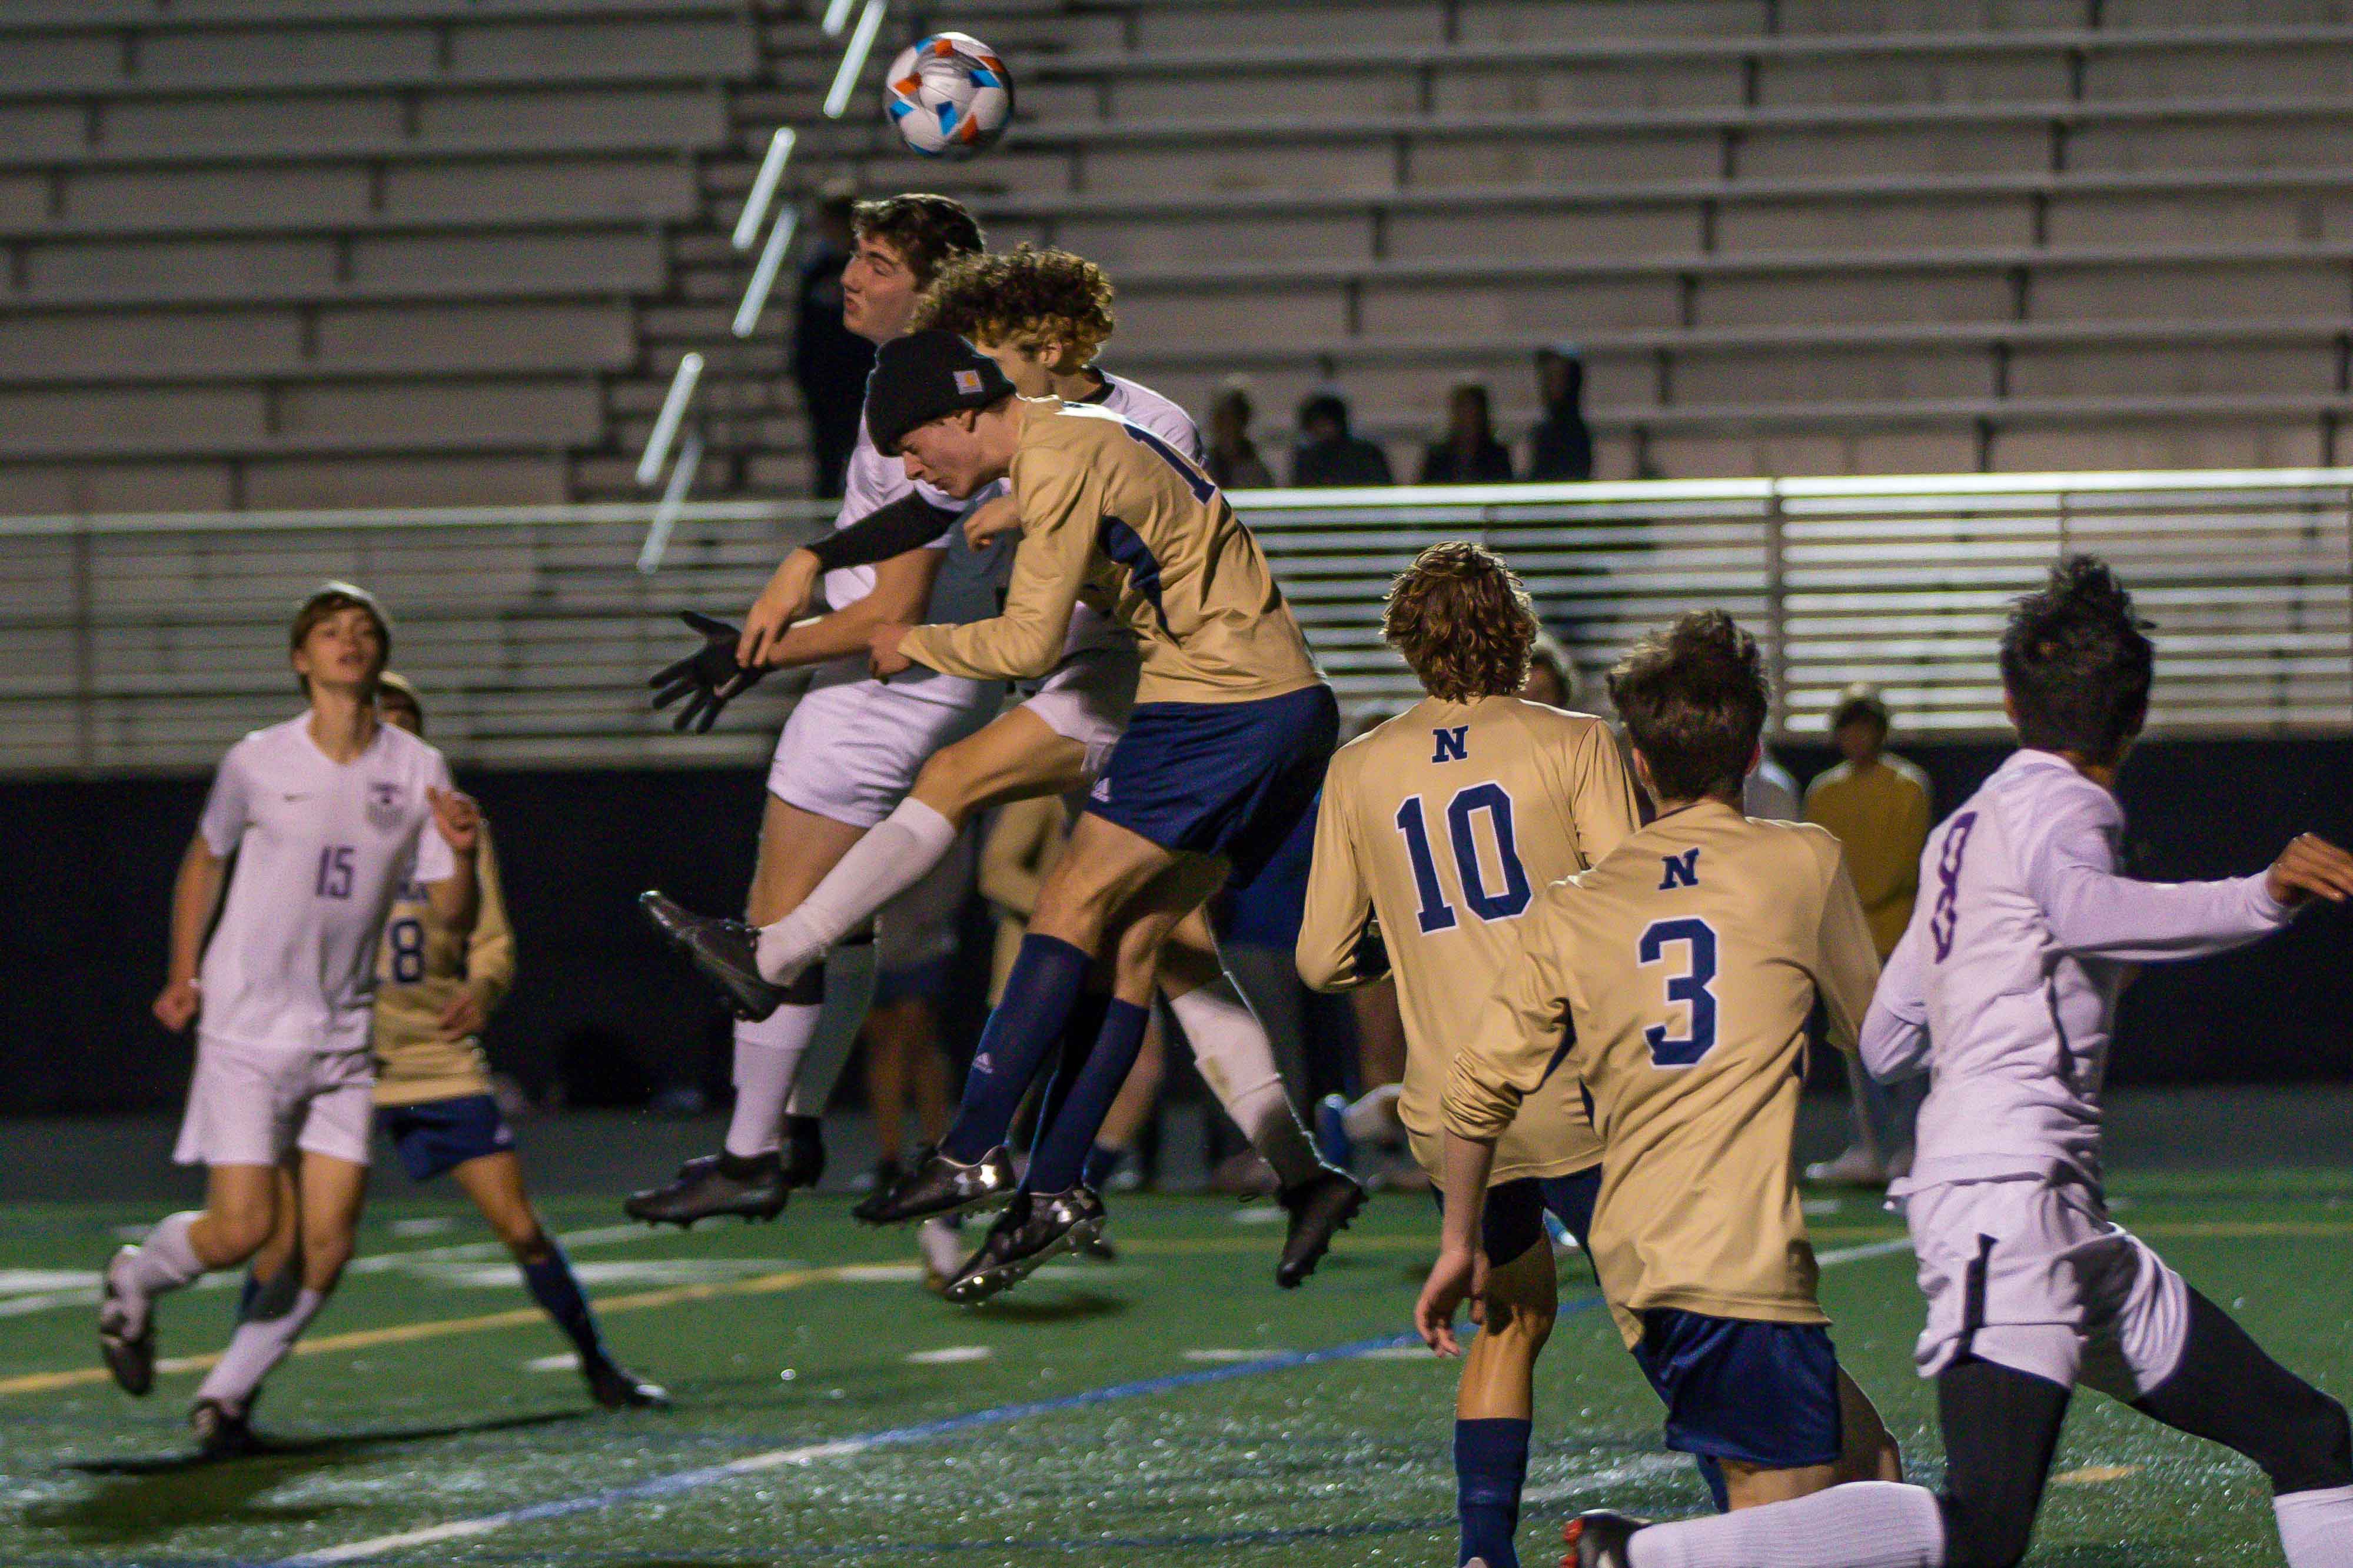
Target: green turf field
x: 431, y: 1399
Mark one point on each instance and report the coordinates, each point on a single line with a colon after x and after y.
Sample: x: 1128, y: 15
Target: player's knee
x: 524, y: 1237
x: 1524, y: 1325
x: 326, y: 1248
x: 240, y: 1229
x: 1986, y: 1533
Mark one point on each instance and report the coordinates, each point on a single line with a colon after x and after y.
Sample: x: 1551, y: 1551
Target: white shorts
x: 1088, y: 697
x: 2032, y: 1275
x: 250, y: 1106
x: 851, y: 752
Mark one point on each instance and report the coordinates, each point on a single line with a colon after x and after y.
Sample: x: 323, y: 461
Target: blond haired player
x: 435, y: 989
x: 327, y: 816
x: 1435, y: 829
x: 1044, y: 316
x: 1675, y: 979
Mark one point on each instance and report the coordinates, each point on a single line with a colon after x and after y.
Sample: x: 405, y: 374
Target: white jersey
x: 965, y: 590
x: 2004, y: 985
x: 322, y: 849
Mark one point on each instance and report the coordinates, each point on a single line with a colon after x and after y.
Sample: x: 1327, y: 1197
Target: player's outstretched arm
x: 2093, y: 912
x: 1060, y: 511
x: 887, y: 533
x: 194, y: 893
x: 710, y: 677
x: 2310, y: 868
x: 1460, y: 1272
x: 1895, y: 1029
x: 903, y: 586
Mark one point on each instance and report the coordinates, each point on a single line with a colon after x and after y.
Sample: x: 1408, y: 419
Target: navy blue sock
x: 248, y: 1291
x: 1102, y: 1165
x: 1060, y: 1151
x: 1713, y: 1474
x: 1078, y: 1034
x: 1491, y: 1466
x: 1048, y: 980
x: 552, y: 1286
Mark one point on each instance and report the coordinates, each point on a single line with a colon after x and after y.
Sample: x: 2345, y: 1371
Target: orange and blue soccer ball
x: 949, y: 95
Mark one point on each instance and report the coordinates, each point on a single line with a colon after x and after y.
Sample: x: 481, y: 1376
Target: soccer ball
x: 949, y: 95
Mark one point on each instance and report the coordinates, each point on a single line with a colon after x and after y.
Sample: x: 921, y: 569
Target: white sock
x: 258, y: 1344
x: 1870, y: 1524
x: 848, y: 992
x: 2316, y: 1528
x: 1237, y: 1062
x: 1372, y: 1117
x: 893, y: 858
x: 165, y: 1262
x: 767, y: 1055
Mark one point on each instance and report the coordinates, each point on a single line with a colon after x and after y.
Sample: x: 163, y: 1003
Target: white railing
x: 153, y: 642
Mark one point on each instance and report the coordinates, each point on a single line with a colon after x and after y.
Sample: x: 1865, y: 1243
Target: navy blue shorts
x: 1761, y: 1393
x: 1516, y: 1211
x: 442, y: 1134
x: 1220, y: 778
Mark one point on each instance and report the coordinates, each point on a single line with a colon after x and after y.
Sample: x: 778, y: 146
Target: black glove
x: 708, y: 678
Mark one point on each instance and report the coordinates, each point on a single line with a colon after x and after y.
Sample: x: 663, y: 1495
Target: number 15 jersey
x: 1440, y: 827
x: 1684, y: 966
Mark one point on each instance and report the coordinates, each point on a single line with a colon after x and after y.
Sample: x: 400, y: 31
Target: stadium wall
x: 602, y: 1009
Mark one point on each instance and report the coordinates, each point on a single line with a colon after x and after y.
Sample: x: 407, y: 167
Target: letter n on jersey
x: 1683, y: 870
x: 1453, y: 746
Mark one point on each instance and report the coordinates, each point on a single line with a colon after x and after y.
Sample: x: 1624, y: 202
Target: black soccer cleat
x: 223, y: 1432
x: 1320, y: 1209
x: 130, y: 1357
x: 715, y: 1184
x: 1597, y: 1538
x: 1036, y: 1227
x: 940, y: 1186
x: 802, y: 1158
x: 615, y: 1387
x: 726, y: 951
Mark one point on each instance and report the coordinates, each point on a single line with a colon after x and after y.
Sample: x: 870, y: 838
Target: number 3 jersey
x: 322, y: 849
x: 1440, y: 828
x: 421, y: 970
x: 1677, y: 977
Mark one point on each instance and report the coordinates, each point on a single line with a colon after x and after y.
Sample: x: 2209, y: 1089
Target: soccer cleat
x: 940, y: 1186
x: 1598, y: 1539
x: 615, y: 1387
x: 940, y: 1245
x: 129, y: 1353
x: 1320, y: 1209
x: 803, y: 1152
x: 714, y: 1184
x: 726, y: 951
x: 1098, y: 1248
x: 1036, y: 1227
x: 222, y: 1431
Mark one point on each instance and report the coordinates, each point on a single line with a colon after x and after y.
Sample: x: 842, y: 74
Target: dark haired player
x: 1674, y: 980
x: 2006, y: 981
x: 847, y: 753
x: 1435, y: 830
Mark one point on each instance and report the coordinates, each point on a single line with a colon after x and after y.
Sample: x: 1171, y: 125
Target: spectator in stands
x: 1233, y: 460
x: 1551, y: 678
x: 1877, y: 805
x: 829, y: 360
x: 1560, y: 448
x: 1769, y: 791
x: 1470, y: 454
x: 1328, y: 456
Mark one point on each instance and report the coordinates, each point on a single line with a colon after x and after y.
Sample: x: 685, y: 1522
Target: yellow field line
x: 404, y: 1333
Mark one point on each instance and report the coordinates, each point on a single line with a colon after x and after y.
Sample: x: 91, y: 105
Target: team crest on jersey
x: 386, y: 805
x: 1683, y: 870
x: 1453, y: 746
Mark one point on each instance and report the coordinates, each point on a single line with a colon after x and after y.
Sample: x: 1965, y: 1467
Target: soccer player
x: 1437, y: 828
x: 435, y: 989
x: 1674, y: 979
x: 1226, y: 747
x: 847, y: 753
x: 328, y: 815
x: 2005, y: 982
x: 1044, y: 316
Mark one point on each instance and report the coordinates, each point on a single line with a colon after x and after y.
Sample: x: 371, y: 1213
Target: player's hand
x: 882, y: 650
x: 177, y: 1004
x: 455, y: 817
x: 780, y: 604
x: 1454, y: 1278
x: 465, y: 1015
x: 709, y: 678
x: 2310, y: 868
x: 990, y: 521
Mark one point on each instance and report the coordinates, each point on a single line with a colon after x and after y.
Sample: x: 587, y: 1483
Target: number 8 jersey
x: 1440, y: 827
x: 1680, y: 972
x: 321, y: 848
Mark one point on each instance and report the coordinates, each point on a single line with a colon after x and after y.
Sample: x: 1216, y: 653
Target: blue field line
x: 919, y: 1432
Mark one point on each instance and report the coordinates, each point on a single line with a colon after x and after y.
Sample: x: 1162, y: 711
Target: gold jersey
x: 1440, y: 827
x: 1881, y: 816
x: 1686, y: 963
x: 420, y: 969
x: 1113, y: 515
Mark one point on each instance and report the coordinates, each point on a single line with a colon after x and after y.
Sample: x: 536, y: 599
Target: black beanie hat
x: 923, y: 375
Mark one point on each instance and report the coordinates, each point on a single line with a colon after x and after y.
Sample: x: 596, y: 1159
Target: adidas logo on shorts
x: 1101, y: 790
x: 982, y: 1064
